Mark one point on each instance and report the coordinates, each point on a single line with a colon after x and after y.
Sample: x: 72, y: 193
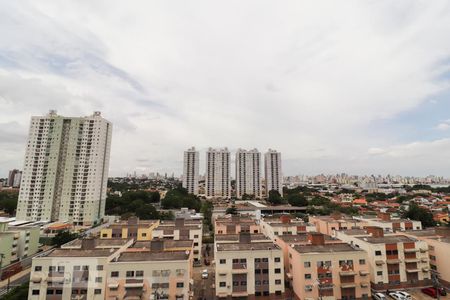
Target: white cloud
x: 445, y: 125
x: 297, y: 76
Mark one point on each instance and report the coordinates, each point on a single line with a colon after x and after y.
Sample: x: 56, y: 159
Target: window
x: 195, y: 244
x: 362, y: 261
x: 104, y: 235
x: 277, y: 281
x: 52, y: 268
x: 156, y: 273
x: 307, y: 276
x: 277, y: 259
x: 235, y: 283
x: 61, y: 269
x: 165, y: 273
x: 85, y: 268
x: 257, y: 282
x: 243, y: 261
x: 97, y: 291
x: 257, y: 260
x: 35, y: 292
x: 99, y: 267
x: 307, y: 264
x: 378, y: 253
x: 38, y: 268
x: 195, y: 236
x: 49, y: 292
x: 115, y: 274
x: 98, y: 279
x: 130, y: 274
x: 265, y: 259
x: 144, y: 234
x: 235, y: 261
x: 379, y: 273
x: 223, y: 261
x: 265, y: 271
x: 76, y: 268
x: 140, y: 273
x: 58, y: 292
x: 277, y: 271
x: 278, y: 293
x: 222, y: 284
x: 180, y: 284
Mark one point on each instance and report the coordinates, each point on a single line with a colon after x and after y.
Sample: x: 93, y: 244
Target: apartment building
x: 249, y: 269
x: 182, y: 229
x: 299, y: 239
x: 157, y: 269
x: 283, y: 225
x: 330, y: 224
x: 389, y: 224
x: 191, y: 171
x: 395, y: 260
x: 77, y: 270
x: 17, y: 242
x: 320, y: 270
x: 65, y: 171
x: 133, y: 228
x: 438, y: 241
x: 273, y: 171
x: 14, y: 178
x: 248, y: 173
x: 217, y: 180
x: 235, y: 224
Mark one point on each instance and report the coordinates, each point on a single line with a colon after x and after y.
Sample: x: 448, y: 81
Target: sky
x: 361, y: 87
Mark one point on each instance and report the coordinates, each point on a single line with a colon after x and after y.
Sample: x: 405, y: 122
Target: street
x: 204, y: 288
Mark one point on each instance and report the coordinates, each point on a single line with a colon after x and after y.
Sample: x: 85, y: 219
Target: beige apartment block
x: 249, y: 269
x: 396, y: 261
x: 438, y: 240
x: 76, y: 271
x: 248, y: 173
x: 217, y: 178
x: 151, y: 270
x: 287, y: 241
x: 17, y: 242
x: 328, y: 271
x: 182, y: 229
x: 336, y: 221
x: 234, y: 224
x: 389, y: 224
x: 273, y: 171
x: 133, y: 228
x: 283, y: 225
x: 191, y: 170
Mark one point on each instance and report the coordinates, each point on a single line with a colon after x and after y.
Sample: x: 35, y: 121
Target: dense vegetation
x: 417, y: 213
x: 207, y: 210
x: 17, y: 293
x: 63, y: 237
x: 138, y: 203
x: 8, y: 201
x: 178, y: 198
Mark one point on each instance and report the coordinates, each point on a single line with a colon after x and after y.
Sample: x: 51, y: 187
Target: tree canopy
x: 275, y: 198
x: 418, y: 213
x: 178, y: 198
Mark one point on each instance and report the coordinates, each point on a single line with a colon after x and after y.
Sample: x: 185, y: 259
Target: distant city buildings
x: 14, y: 178
x: 218, y: 181
x: 66, y: 169
x: 273, y: 171
x: 191, y: 171
x: 248, y: 173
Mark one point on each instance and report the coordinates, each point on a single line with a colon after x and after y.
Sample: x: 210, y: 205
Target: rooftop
x: 153, y: 256
x: 330, y: 248
x: 81, y: 253
x: 247, y: 246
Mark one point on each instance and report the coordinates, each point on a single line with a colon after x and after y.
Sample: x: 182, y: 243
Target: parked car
x: 442, y: 291
x: 405, y: 295
x: 396, y: 296
x: 378, y: 296
x: 430, y: 292
x: 205, y: 274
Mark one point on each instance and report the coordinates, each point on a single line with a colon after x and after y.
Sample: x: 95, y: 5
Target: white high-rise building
x: 65, y: 172
x: 274, y: 175
x: 191, y: 170
x: 217, y: 181
x: 248, y: 173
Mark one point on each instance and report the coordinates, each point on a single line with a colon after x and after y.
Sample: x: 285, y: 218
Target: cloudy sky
x: 337, y: 86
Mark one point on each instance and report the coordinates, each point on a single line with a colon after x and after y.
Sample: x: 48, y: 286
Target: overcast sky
x: 337, y: 86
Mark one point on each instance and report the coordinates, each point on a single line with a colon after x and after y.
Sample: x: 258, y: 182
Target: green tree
x: 63, y: 237
x: 231, y: 210
x: 297, y: 200
x: 417, y: 213
x: 275, y: 198
x: 319, y: 201
x: 206, y: 210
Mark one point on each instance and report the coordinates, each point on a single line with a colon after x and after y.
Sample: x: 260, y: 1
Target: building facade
x: 14, y: 177
x: 191, y: 171
x: 273, y: 171
x: 248, y: 173
x: 217, y: 180
x: 66, y: 169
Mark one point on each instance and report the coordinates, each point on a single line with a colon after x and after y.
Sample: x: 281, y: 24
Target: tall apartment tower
x: 217, y: 181
x: 13, y: 174
x: 248, y: 173
x: 66, y: 169
x: 274, y: 176
x: 191, y: 170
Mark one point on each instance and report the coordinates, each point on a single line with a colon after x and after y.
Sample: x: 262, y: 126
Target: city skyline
x: 359, y: 87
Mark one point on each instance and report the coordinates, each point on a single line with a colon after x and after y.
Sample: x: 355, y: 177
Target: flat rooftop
x: 235, y: 237
x: 247, y: 246
x: 153, y: 256
x: 98, y: 243
x: 328, y: 248
x: 168, y: 244
x: 81, y: 253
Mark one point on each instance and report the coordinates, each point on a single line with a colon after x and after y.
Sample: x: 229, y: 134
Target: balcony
x: 348, y: 285
x: 411, y: 260
x: 425, y: 269
x: 411, y: 250
x: 364, y: 284
x: 412, y: 270
x: 364, y: 272
x: 239, y: 294
x: 134, y: 283
x: 392, y: 261
x: 347, y: 273
x: 379, y: 262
